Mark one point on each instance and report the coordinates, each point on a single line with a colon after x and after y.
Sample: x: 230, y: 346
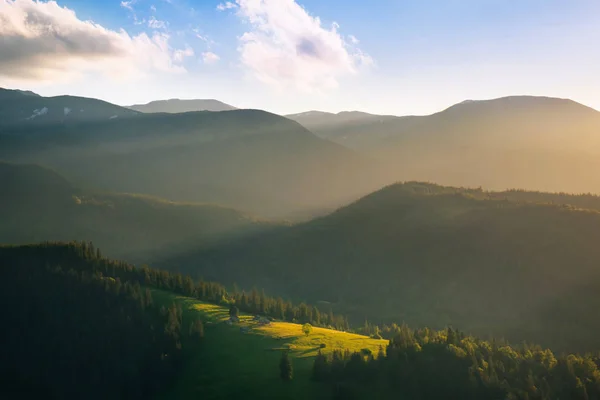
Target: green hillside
x: 252, y: 356
x: 435, y: 256
x: 155, y: 334
x: 246, y: 159
x: 37, y: 204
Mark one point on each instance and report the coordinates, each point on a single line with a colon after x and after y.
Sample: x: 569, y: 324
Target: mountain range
x: 247, y: 159
x: 528, y: 142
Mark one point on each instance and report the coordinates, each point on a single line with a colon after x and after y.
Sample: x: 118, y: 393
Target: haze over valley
x: 274, y: 199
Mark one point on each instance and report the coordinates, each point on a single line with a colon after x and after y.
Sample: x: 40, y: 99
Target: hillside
x: 175, y: 106
x: 486, y: 263
x: 21, y: 108
x: 252, y: 356
x: 37, y: 204
x: 219, y: 361
x: 246, y: 159
x: 87, y: 307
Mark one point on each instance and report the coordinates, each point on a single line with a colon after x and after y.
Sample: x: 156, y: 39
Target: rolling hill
x: 246, y: 159
x: 37, y: 204
x: 508, y: 264
x: 180, y: 106
x: 23, y: 108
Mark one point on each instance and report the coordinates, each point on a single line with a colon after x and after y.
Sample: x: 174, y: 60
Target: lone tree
x: 233, y: 311
x: 285, y: 367
x: 307, y: 329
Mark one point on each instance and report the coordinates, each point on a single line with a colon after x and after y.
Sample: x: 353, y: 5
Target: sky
x: 401, y: 57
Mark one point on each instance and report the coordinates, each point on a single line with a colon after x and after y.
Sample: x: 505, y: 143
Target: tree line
x: 427, y: 364
x: 84, y: 256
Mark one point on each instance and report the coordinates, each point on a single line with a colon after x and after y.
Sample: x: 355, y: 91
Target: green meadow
x: 245, y: 364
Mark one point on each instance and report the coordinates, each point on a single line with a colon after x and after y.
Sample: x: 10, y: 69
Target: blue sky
x: 391, y: 56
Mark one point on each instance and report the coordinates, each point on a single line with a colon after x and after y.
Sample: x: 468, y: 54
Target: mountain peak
x: 175, y: 106
x: 523, y: 102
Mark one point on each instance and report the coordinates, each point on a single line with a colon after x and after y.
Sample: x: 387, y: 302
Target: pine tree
x: 320, y: 370
x: 316, y: 316
x: 233, y: 311
x: 380, y: 354
x: 196, y: 329
x: 280, y: 309
x: 337, y: 365
x: 285, y: 367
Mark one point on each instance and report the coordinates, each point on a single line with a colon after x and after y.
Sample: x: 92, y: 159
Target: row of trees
x: 427, y: 364
x: 84, y: 256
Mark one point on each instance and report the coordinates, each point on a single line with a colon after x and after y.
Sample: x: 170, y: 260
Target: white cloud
x: 156, y: 24
x: 210, y: 58
x: 43, y: 41
x: 226, y: 6
x: 287, y: 47
x: 180, y: 55
x: 153, y: 8
x: 128, y: 4
x: 353, y: 39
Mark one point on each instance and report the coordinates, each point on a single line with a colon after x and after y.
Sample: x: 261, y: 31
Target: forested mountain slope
x: 247, y: 159
x: 155, y: 334
x: 436, y: 256
x: 37, y: 204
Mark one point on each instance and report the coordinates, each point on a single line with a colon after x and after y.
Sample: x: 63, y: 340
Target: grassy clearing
x: 234, y: 364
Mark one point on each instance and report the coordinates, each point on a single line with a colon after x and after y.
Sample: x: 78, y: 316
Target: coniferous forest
x: 81, y: 325
x: 77, y: 334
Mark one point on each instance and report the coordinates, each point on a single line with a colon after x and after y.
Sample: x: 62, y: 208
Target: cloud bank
x: 43, y: 41
x: 287, y: 47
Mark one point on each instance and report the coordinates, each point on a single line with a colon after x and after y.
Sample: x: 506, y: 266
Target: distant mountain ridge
x: 527, y: 142
x: 335, y: 126
x: 25, y: 108
x: 250, y: 160
x: 174, y: 106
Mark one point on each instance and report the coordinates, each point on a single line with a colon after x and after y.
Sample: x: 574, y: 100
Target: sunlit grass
x: 251, y: 358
